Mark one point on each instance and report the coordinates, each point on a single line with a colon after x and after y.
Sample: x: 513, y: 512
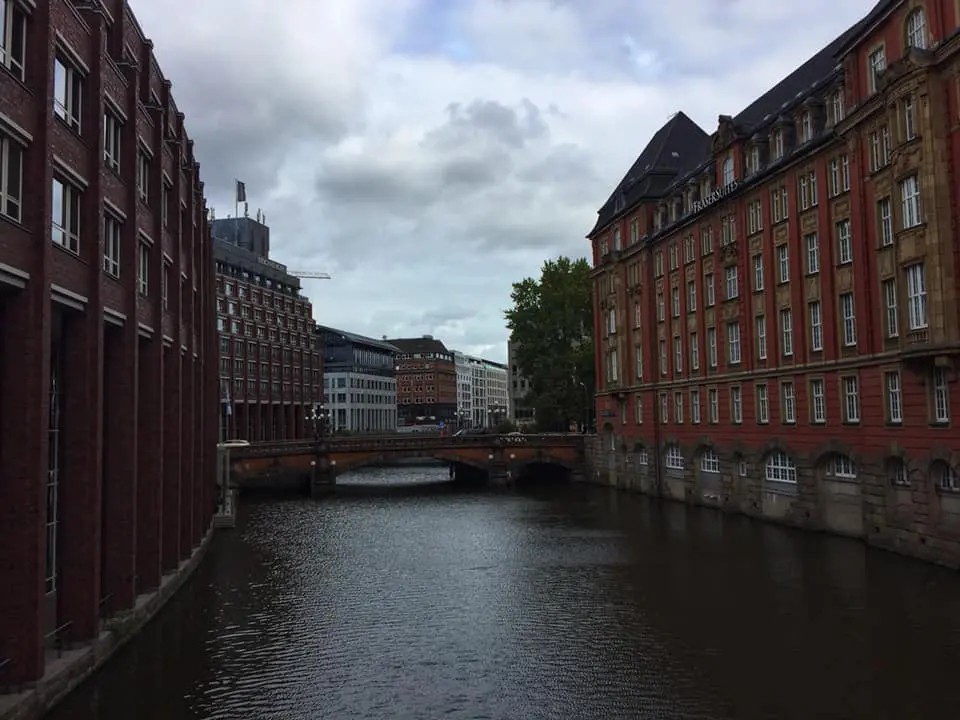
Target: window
x: 917, y: 29
x: 844, y: 244
x: 941, y: 396
x: 677, y: 355
x: 67, y: 93
x: 836, y: 107
x: 13, y: 34
x: 712, y: 346
x: 709, y: 461
x: 66, y: 215
x: 637, y: 314
x: 616, y: 239
x: 900, y: 473
x: 612, y: 321
x: 733, y: 342
x: 778, y: 145
x: 678, y: 407
x: 638, y: 360
x: 663, y: 357
x: 733, y: 285
x: 143, y: 271
x: 780, y: 468
x: 916, y: 297
x: 695, y: 406
x: 673, y: 459
x: 778, y: 199
x: 786, y: 332
x: 691, y: 296
x: 661, y: 308
x: 754, y: 217
x: 728, y: 175
x: 841, y: 466
x: 694, y: 351
x: 813, y: 253
x: 910, y: 199
x: 818, y: 405
x: 165, y: 290
x: 894, y: 398
x: 783, y: 262
x: 816, y: 326
x: 111, y: 141
x: 758, y: 273
x: 851, y: 399
x: 849, y: 319
x: 709, y: 290
x: 713, y: 399
x: 664, y: 409
x: 674, y: 256
x: 885, y: 217
x: 946, y: 477
x: 736, y: 404
x: 675, y: 301
x: 876, y: 64
x: 111, y: 245
x: 638, y: 411
x: 634, y: 231
x: 761, y: 324
x: 763, y: 404
x: 706, y: 240
x: 806, y: 127
x: 789, y: 399
x: 909, y: 119
x: 143, y: 175
x: 11, y: 179
x: 890, y: 300
x: 753, y: 160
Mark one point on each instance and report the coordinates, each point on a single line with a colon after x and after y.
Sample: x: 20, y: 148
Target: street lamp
x: 319, y: 416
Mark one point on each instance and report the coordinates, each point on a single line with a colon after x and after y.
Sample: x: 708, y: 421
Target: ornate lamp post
x: 319, y: 417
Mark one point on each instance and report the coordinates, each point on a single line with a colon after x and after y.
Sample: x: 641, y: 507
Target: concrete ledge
x: 65, y: 673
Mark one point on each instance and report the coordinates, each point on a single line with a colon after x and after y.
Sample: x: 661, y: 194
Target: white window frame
x: 709, y: 461
x: 780, y: 467
x: 851, y: 399
x: 783, y: 261
x: 941, y: 396
x: 733, y: 342
x: 786, y: 332
x: 891, y: 304
x: 813, y: 253
x: 712, y: 346
x: 894, y: 397
x: 736, y: 404
x: 66, y: 221
x: 844, y: 243
x: 916, y: 296
x: 677, y: 354
x: 848, y: 314
x: 815, y: 311
x: 876, y: 64
x: 733, y: 282
x: 885, y: 214
x: 143, y: 175
x: 14, y: 19
x: 143, y: 271
x: 691, y: 296
x: 788, y: 397
x: 673, y: 458
x: 841, y: 467
x: 713, y: 401
x: 761, y: 329
x: 909, y: 119
x: 910, y: 202
x: 11, y: 179
x: 763, y: 404
x: 758, y: 272
x: 709, y: 290
x: 67, y: 92
x: 675, y: 301
x: 112, y: 233
x: 678, y: 407
x: 112, y: 140
x: 695, y: 406
x: 819, y: 405
x: 917, y: 29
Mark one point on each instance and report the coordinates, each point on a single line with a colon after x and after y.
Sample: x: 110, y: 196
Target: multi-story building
x: 521, y: 411
x: 426, y: 382
x: 482, y: 396
x: 269, y: 368
x: 359, y: 381
x: 776, y: 304
x: 108, y: 377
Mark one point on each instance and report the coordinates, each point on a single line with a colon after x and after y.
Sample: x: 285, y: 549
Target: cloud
x: 428, y: 153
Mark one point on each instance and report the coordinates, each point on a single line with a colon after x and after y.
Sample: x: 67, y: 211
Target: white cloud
x: 430, y: 153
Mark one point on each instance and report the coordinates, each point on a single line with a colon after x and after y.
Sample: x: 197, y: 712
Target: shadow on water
x: 550, y: 602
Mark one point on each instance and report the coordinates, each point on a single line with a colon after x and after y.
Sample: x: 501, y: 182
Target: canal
x: 562, y: 603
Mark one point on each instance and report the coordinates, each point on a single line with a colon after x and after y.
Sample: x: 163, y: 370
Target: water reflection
x: 558, y: 603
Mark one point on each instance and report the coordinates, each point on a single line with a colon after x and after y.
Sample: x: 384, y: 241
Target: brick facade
x: 108, y: 374
x: 426, y: 382
x: 776, y: 304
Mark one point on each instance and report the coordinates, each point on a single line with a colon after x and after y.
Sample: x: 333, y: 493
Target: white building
x: 359, y: 381
x: 483, y: 398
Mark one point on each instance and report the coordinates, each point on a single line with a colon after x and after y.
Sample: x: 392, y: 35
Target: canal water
x: 563, y: 603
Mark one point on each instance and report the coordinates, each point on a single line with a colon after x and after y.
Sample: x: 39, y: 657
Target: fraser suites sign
x: 716, y: 195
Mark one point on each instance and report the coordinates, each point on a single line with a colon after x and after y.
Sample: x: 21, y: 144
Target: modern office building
x: 464, y: 366
x: 776, y: 302
x: 269, y: 367
x: 359, y: 381
x: 521, y: 411
x: 426, y: 382
x: 108, y: 373
x: 482, y: 396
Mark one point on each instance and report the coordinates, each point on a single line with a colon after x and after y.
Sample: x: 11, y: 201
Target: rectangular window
x: 733, y: 283
x: 612, y: 321
x: 695, y: 406
x: 11, y: 179
x: 916, y: 297
x: 67, y: 92
x: 910, y: 201
x: 763, y: 404
x: 613, y: 370
x: 663, y: 357
x: 818, y: 405
x: 638, y: 409
x: 783, y: 262
x: 638, y: 361
x: 733, y: 342
x: 111, y: 245
x: 678, y: 407
x: 661, y: 308
x: 885, y: 217
x: 894, y: 398
x: 789, y: 400
x: 813, y: 253
x: 844, y: 243
x: 876, y: 64
x: 786, y: 332
x: 736, y: 404
x: 66, y: 215
x: 691, y: 296
x: 165, y: 292
x: 849, y: 319
x: 694, y: 351
x: 761, y: 329
x: 677, y: 355
x: 664, y: 408
x: 712, y: 346
x: 758, y: 272
x: 13, y: 38
x: 709, y: 290
x: 675, y: 301
x: 941, y: 396
x: 143, y: 175
x: 816, y: 326
x: 111, y: 141
x: 143, y: 271
x: 909, y: 119
x: 851, y: 399
x: 892, y: 314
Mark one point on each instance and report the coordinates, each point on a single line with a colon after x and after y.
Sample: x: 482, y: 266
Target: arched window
x: 945, y: 476
x: 781, y: 468
x: 841, y: 466
x: 709, y: 461
x: 674, y: 458
x: 899, y: 473
x: 643, y: 457
x: 917, y: 29
x: 727, y: 171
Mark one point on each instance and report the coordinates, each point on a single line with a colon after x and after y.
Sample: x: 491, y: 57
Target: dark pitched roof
x: 356, y: 339
x: 875, y: 15
x: 419, y: 345
x: 677, y: 147
x: 652, y: 176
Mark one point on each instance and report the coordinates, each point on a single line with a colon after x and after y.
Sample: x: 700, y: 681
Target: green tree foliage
x: 551, y: 322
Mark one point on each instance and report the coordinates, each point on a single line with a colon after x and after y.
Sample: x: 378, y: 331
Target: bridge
x: 314, y: 464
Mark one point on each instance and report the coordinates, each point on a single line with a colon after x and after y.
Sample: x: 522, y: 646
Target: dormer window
x: 917, y: 29
x: 728, y: 176
x: 877, y: 63
x: 616, y: 239
x: 806, y: 128
x: 836, y: 107
x: 753, y: 160
x: 706, y: 188
x: 778, y: 144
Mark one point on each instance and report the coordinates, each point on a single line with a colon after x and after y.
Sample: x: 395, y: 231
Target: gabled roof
x: 419, y: 345
x: 677, y: 147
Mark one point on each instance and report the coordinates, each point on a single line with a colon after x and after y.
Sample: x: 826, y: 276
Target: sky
x: 430, y: 153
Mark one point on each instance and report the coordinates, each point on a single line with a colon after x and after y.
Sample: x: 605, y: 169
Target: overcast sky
x: 428, y: 153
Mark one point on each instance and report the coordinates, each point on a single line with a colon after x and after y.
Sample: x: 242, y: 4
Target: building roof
x: 425, y: 344
x: 357, y: 339
x: 681, y: 149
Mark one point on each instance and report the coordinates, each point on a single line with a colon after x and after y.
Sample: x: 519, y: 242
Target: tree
x: 551, y: 324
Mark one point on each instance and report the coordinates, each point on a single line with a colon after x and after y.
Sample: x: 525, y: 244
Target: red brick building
x: 426, y: 382
x: 776, y: 303
x: 108, y: 356
x: 270, y: 370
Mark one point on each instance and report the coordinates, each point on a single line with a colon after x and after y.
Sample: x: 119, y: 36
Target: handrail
x: 58, y: 637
